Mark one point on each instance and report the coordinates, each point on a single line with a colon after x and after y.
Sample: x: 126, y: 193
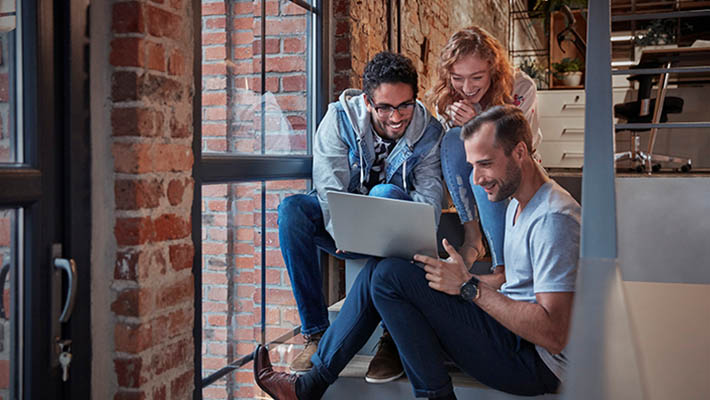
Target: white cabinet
x: 561, y: 114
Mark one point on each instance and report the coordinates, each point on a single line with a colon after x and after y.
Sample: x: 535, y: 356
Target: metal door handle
x: 69, y: 266
x: 3, y: 274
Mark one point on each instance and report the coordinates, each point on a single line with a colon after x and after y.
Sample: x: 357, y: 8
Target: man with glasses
x: 379, y: 141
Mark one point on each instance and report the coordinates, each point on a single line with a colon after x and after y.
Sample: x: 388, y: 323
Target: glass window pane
x: 233, y: 108
x: 231, y: 280
x: 9, y: 151
x: 8, y: 248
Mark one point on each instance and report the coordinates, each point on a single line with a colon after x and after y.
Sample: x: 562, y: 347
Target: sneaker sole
x: 384, y: 380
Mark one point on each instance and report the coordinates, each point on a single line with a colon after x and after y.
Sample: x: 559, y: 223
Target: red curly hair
x: 473, y: 41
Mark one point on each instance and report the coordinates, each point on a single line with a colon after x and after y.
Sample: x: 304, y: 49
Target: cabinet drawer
x: 557, y: 154
x: 562, y: 128
x: 561, y: 103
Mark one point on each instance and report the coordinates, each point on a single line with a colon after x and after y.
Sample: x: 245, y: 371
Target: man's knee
x: 292, y: 209
x: 389, y: 191
x: 391, y: 274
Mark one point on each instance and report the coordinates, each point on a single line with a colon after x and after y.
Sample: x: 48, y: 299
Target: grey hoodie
x: 344, y: 143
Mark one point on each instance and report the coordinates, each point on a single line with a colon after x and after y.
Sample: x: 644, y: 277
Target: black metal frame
x: 52, y: 186
x: 227, y: 168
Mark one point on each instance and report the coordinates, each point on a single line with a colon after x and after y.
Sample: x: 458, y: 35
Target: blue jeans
x: 428, y: 328
x: 301, y: 233
x: 471, y: 200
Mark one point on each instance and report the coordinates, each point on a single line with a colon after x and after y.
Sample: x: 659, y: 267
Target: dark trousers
x: 429, y: 327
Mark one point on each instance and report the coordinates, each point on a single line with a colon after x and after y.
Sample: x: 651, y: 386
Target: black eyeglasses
x: 386, y: 110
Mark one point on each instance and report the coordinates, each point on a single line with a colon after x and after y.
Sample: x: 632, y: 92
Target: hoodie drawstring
x: 404, y: 176
x: 362, y: 167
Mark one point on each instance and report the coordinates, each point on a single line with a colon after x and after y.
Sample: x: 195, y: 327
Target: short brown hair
x: 510, y: 123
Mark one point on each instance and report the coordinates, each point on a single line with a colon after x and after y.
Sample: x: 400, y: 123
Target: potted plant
x: 569, y: 71
x: 535, y: 71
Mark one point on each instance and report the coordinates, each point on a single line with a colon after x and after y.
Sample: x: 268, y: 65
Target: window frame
x: 233, y: 168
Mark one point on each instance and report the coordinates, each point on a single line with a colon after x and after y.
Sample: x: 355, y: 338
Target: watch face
x: 468, y: 291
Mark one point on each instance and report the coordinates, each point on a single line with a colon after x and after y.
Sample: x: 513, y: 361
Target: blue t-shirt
x: 541, y: 252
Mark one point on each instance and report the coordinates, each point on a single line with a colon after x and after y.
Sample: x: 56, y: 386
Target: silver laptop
x: 382, y: 227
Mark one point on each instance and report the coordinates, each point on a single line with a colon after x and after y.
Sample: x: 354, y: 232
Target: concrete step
x: 352, y: 385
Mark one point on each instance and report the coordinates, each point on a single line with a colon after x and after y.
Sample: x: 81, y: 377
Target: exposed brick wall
x: 361, y: 32
x: 6, y: 125
x: 231, y: 218
x: 151, y: 141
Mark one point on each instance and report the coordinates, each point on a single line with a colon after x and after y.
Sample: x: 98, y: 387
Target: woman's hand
x: 445, y: 275
x: 461, y: 112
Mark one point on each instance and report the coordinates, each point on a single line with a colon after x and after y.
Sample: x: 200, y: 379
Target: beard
x: 509, y: 184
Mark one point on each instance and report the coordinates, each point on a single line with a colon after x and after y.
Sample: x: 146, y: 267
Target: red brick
x: 343, y: 63
x: 162, y: 23
x: 216, y: 23
x: 129, y: 372
x: 132, y: 338
x: 135, y: 265
x: 214, y: 190
x: 181, y: 387
x: 273, y: 46
x: 176, y: 190
x: 242, y: 53
x: 214, y: 83
x: 290, y: 8
x: 243, y: 23
x: 4, y: 374
x: 128, y: 18
x: 282, y: 64
x: 214, y: 114
x: 243, y: 7
x: 294, y: 45
x: 296, y: 83
x: 342, y: 45
x: 132, y: 395
x: 180, y: 321
x: 160, y: 393
x: 176, y: 293
x: 132, y: 158
x: 171, y: 227
x: 169, y: 157
x: 181, y: 256
x: 156, y: 56
x: 214, y: 38
x: 216, y: 8
x: 282, y: 26
x: 127, y: 52
x: 136, y: 194
x: 291, y: 103
x: 136, y: 121
x: 214, y: 99
x: 4, y: 88
x: 171, y: 356
x: 297, y: 122
x: 124, y: 86
x: 214, y: 53
x: 132, y: 302
x: 133, y: 231
x: 176, y: 63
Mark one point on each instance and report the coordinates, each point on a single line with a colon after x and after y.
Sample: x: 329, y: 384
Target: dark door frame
x: 53, y: 188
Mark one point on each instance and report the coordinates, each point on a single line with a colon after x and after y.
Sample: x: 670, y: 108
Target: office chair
x: 641, y: 111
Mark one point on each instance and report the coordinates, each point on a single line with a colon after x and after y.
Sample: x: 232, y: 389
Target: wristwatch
x: 469, y: 290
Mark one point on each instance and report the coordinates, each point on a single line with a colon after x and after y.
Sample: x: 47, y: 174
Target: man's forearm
x: 531, y: 321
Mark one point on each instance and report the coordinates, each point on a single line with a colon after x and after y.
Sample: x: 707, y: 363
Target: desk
x: 692, y: 62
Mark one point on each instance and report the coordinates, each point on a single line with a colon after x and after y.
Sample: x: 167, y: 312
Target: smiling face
x: 471, y: 78
x: 391, y: 127
x: 498, y: 174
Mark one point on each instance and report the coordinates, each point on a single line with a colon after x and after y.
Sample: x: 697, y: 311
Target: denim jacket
x: 343, y: 153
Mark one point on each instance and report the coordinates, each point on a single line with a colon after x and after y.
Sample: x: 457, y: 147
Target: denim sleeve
x: 331, y: 169
x: 554, y: 252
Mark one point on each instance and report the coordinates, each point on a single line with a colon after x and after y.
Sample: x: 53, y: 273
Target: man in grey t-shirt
x: 507, y: 329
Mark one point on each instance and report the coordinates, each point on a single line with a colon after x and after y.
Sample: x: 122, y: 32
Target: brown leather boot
x: 302, y: 362
x: 279, y: 385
